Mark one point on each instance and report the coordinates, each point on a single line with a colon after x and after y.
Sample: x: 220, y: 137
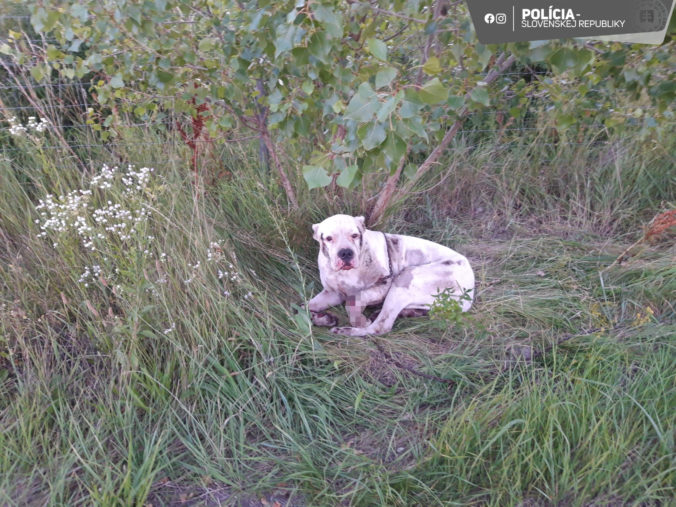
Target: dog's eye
x: 328, y: 238
x: 355, y: 236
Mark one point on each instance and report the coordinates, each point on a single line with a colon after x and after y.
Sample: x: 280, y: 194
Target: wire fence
x: 38, y: 86
x: 110, y: 149
x: 77, y: 139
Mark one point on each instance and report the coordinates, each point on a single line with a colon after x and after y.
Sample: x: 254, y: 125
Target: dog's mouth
x: 344, y: 266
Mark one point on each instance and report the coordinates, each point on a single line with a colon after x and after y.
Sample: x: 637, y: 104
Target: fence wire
x: 77, y: 138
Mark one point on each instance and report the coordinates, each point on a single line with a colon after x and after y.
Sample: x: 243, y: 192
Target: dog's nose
x: 345, y: 254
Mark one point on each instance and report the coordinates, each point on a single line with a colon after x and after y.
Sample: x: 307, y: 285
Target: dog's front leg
x: 396, y: 300
x: 356, y: 304
x: 325, y: 299
x: 355, y: 309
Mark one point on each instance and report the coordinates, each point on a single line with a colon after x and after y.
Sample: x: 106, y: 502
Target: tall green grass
x: 151, y: 385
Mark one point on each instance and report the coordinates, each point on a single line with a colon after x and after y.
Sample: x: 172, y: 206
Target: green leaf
x: 256, y: 20
x: 484, y: 54
x: 395, y: 148
x: 308, y: 87
x: 319, y: 47
x: 377, y: 48
x: 385, y: 76
x: 207, y: 44
x: 333, y: 22
x: 274, y: 99
x: 79, y: 11
x: 409, y: 109
x: 164, y: 77
x: 432, y: 66
x: 347, y: 176
x: 409, y: 171
x: 563, y: 121
x: 540, y: 50
x: 631, y: 75
x: 338, y: 106
x: 364, y: 104
x: 338, y: 164
x: 53, y: 53
x: 315, y: 176
x: 386, y: 109
x: 374, y: 136
x: 301, y: 55
x: 455, y: 102
x: 52, y: 18
x: 75, y: 45
x: 480, y: 95
x: 568, y: 58
x: 411, y: 126
x: 666, y: 90
x: 116, y: 81
x: 562, y: 60
x: 37, y: 72
x: 433, y: 92
x: 583, y: 57
x: 412, y: 7
x: 288, y: 36
x: 430, y: 28
x: 515, y: 111
x: 650, y: 122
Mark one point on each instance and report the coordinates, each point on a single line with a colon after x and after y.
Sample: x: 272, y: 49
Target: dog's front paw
x: 349, y: 331
x: 324, y: 319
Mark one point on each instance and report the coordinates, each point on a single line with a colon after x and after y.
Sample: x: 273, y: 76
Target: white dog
x: 362, y: 268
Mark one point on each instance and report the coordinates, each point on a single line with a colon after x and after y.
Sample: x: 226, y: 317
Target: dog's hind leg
x: 406, y: 313
x: 414, y: 288
x: 414, y: 312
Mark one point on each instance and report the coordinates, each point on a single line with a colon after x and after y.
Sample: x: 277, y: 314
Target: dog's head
x: 340, y: 239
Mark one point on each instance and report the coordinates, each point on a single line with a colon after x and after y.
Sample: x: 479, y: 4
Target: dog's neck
x: 374, y: 256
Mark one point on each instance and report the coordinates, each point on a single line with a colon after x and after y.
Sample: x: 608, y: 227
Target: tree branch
x: 286, y: 184
x: 501, y: 64
x: 388, y: 190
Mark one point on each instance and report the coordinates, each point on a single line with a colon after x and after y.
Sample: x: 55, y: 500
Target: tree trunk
x: 390, y: 190
x: 286, y: 184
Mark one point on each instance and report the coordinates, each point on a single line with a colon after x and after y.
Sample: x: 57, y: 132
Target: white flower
x: 17, y: 129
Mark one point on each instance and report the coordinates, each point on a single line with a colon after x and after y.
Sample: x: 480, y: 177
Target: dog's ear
x: 360, y: 224
x: 315, y: 232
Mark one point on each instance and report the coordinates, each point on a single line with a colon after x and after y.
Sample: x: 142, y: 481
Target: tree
x: 374, y: 85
